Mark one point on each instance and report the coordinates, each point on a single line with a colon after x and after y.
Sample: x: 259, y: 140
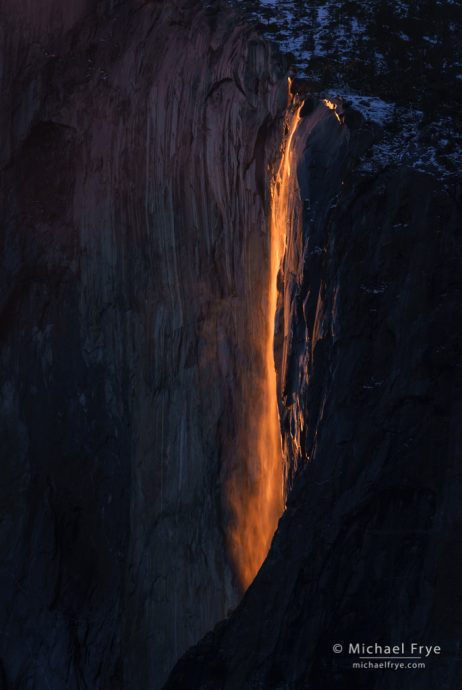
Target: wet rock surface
x: 369, y: 546
x: 139, y: 139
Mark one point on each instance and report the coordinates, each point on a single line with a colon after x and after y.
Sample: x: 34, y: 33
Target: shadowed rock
x: 138, y: 138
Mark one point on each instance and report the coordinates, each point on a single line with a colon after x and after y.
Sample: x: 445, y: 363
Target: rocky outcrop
x: 368, y: 549
x: 139, y: 143
x: 139, y: 140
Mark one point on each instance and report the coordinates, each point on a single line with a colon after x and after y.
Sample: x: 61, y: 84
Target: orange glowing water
x: 332, y: 106
x: 256, y: 495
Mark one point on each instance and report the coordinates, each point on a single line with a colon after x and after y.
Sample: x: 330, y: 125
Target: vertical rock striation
x: 139, y: 143
x: 138, y: 140
x: 368, y: 549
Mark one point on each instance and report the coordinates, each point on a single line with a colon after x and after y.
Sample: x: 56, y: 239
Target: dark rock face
x: 138, y: 137
x: 368, y: 549
x: 398, y: 60
x: 139, y: 140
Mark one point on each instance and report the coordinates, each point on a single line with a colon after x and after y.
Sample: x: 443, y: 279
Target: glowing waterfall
x: 256, y: 495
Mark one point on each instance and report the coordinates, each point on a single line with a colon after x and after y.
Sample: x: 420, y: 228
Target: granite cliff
x: 369, y: 336
x: 139, y: 139
x: 141, y: 143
